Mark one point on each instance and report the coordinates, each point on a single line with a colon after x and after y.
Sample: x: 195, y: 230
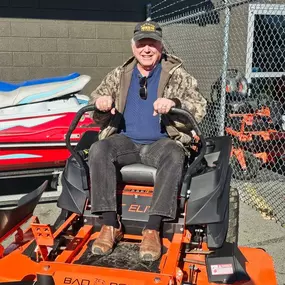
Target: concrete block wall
x: 31, y: 48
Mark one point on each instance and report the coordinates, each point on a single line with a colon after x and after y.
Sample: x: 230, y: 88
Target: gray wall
x: 41, y: 48
x: 41, y: 38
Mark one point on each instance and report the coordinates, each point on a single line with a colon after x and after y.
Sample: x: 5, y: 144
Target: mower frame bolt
x: 157, y: 280
x: 46, y: 267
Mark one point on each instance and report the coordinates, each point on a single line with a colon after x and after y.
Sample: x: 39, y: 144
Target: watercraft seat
x: 8, y: 87
x: 41, y: 89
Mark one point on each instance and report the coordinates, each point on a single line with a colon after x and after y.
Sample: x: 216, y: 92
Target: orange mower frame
x: 197, y: 248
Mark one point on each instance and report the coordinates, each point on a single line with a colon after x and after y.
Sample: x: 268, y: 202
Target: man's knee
x: 99, y: 149
x: 175, y: 153
x: 178, y: 155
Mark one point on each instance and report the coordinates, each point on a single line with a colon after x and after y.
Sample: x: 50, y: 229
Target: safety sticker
x: 222, y: 269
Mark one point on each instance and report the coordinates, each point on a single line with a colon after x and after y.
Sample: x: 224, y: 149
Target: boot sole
x: 149, y: 257
x: 99, y: 251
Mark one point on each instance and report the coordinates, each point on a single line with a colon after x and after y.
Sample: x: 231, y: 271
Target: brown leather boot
x: 108, y: 237
x: 150, y: 248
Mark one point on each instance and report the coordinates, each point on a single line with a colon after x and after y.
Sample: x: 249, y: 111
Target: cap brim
x: 147, y: 36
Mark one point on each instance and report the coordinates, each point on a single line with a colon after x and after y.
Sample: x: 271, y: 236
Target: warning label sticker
x: 222, y: 269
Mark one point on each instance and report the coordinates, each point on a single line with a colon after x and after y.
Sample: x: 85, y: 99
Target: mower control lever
x: 193, y: 166
x: 182, y: 112
x: 190, y: 118
x: 73, y: 125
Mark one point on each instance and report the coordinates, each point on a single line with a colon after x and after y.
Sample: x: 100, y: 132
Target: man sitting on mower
x: 132, y: 101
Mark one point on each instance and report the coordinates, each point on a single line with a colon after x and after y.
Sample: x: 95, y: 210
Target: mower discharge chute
x: 199, y: 246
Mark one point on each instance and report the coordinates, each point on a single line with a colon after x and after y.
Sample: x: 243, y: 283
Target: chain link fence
x: 236, y: 51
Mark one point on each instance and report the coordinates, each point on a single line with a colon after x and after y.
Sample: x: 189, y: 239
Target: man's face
x: 147, y: 52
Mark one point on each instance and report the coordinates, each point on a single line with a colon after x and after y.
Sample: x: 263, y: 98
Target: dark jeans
x: 117, y: 151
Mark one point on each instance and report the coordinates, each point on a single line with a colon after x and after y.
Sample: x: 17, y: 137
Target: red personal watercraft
x: 34, y: 118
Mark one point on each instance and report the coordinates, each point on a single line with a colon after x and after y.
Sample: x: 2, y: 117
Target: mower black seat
x: 138, y: 174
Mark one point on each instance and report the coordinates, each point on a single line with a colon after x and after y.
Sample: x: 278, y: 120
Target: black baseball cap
x: 147, y: 30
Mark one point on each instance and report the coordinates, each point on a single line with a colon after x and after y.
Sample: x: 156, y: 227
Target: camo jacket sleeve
x: 108, y: 86
x: 184, y: 87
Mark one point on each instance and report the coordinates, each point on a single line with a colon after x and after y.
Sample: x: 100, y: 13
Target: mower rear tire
x: 233, y: 225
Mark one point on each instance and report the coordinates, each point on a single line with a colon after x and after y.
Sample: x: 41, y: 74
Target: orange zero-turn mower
x: 199, y: 246
x: 256, y: 142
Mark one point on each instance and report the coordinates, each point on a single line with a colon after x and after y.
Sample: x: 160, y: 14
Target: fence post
x: 148, y: 12
x: 225, y: 67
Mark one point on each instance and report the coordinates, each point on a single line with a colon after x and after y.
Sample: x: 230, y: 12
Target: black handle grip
x: 77, y: 118
x: 73, y: 125
x: 196, y: 128
x: 190, y: 118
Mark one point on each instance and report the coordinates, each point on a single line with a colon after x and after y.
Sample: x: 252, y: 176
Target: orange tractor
x: 199, y: 247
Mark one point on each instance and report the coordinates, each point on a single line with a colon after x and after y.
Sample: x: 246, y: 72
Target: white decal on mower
x: 222, y: 269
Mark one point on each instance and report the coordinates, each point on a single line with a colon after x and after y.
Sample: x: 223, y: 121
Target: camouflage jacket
x: 175, y: 82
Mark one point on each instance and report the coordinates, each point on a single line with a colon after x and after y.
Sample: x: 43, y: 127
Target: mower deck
x: 68, y: 259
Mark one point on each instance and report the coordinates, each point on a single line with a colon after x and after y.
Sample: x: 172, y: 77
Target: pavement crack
x: 268, y: 241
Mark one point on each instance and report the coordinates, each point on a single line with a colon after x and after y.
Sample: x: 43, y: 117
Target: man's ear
x: 132, y: 44
x: 133, y: 48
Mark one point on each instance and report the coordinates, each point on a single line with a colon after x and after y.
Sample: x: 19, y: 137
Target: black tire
x: 233, y: 225
x: 253, y: 166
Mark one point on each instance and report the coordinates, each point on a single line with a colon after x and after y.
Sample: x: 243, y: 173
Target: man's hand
x: 104, y: 104
x: 162, y: 106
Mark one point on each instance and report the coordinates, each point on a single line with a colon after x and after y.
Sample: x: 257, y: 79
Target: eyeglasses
x: 143, y: 90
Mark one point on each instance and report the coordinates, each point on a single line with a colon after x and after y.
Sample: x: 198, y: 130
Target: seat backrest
x: 138, y: 174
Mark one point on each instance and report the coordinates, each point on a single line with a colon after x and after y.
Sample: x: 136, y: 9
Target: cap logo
x: 148, y: 28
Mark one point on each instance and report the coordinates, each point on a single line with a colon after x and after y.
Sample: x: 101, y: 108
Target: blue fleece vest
x: 140, y: 124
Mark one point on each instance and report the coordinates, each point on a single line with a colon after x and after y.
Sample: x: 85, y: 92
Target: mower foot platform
x: 124, y: 256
